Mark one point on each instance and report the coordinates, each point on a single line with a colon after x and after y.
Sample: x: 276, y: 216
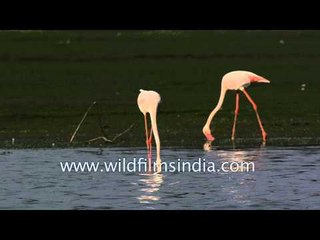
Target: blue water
x: 283, y: 178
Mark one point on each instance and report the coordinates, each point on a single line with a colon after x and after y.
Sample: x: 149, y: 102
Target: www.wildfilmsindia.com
x: 140, y: 165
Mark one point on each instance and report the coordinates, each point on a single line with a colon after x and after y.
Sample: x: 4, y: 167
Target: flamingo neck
x: 206, y: 129
x: 153, y: 116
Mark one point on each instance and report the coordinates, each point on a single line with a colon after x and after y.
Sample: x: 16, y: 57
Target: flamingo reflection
x: 151, y: 185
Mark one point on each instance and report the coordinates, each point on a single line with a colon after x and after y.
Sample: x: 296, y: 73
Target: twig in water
x: 120, y: 134
x: 83, y: 118
x: 114, y: 138
x: 97, y: 138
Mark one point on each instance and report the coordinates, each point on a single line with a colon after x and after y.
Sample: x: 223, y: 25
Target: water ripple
x: 284, y: 178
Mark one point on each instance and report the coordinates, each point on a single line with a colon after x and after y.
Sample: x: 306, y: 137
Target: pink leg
x: 236, y: 112
x: 255, y: 107
x: 150, y: 150
x: 147, y: 141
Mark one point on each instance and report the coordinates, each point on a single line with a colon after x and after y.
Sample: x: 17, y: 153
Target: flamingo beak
x: 207, y: 146
x: 264, y: 81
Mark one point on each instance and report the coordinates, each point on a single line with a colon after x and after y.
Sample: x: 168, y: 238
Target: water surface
x: 284, y: 178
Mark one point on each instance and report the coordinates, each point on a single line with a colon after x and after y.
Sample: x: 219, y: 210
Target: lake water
x: 283, y: 178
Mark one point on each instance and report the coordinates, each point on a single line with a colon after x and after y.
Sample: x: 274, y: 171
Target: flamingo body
x: 235, y: 80
x: 148, y: 102
x: 240, y: 79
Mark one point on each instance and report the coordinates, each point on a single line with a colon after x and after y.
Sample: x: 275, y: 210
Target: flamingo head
x: 210, y: 137
x: 206, y: 131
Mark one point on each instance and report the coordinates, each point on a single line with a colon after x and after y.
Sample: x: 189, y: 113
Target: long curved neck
x: 153, y: 116
x: 216, y: 109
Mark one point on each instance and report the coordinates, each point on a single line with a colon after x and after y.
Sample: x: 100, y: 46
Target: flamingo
x: 238, y: 81
x: 148, y: 103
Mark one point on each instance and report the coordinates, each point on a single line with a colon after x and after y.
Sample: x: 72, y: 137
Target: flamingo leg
x: 147, y: 142
x: 255, y: 107
x: 150, y: 149
x: 236, y: 112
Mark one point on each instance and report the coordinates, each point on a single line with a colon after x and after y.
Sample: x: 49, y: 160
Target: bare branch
x: 97, y: 138
x: 125, y: 131
x: 83, y: 118
x: 115, y: 137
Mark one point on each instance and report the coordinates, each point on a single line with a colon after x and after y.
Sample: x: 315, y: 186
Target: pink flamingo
x: 236, y: 80
x: 148, y: 103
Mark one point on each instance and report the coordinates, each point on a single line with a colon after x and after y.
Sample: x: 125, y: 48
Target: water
x: 284, y: 178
